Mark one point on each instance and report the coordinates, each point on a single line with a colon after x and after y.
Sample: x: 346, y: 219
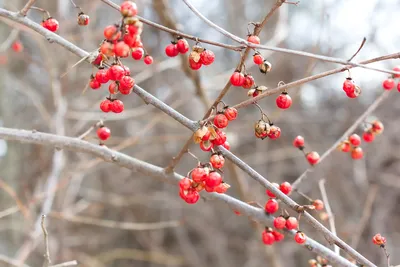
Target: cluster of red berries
x: 263, y: 129
x: 319, y: 262
x: 51, y: 24
x: 203, y: 177
x: 376, y: 128
x: 244, y: 80
x: 350, y: 88
x: 379, y: 240
x: 312, y: 157
x: 389, y: 83
x: 103, y: 133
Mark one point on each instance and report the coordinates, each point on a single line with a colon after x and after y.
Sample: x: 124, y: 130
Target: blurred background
x: 363, y: 194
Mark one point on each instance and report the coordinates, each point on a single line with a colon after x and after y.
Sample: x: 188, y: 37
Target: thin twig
x: 26, y: 8
x: 9, y: 41
x: 386, y: 254
x: 47, y: 260
x: 358, y: 50
x: 65, y: 264
x: 331, y: 218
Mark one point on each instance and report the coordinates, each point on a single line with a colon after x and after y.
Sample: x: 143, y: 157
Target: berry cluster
x: 319, y: 262
x: 389, y: 83
x: 198, y: 57
x: 263, y: 129
x: 312, y: 157
x: 350, y: 88
x: 270, y: 236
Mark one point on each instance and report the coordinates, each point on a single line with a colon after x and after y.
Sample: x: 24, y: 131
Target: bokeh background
x: 364, y: 194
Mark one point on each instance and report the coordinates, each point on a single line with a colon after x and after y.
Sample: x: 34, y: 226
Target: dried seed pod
x: 251, y: 92
x: 357, y: 90
x: 262, y: 127
x: 83, y: 19
x: 265, y: 67
x: 130, y: 20
x: 261, y: 88
x: 198, y: 135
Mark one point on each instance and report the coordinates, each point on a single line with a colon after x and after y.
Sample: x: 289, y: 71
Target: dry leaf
x: 198, y: 135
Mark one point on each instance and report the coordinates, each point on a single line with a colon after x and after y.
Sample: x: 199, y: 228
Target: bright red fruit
x: 286, y: 188
x: 379, y: 240
x: 217, y: 161
x: 357, y: 153
x: 103, y: 133
x: 271, y: 206
x: 182, y: 45
x: 171, y: 50
x: 137, y: 53
x: 17, y: 46
x: 148, y: 60
x: 258, y: 59
x: 275, y: 132
x: 278, y: 236
x: 206, y: 145
x: 117, y: 106
x: 397, y: 68
x: 102, y: 76
x: 284, y: 101
x: 231, y: 113
x: 279, y: 222
x: 113, y: 88
x: 130, y: 40
x: 267, y: 237
x: 368, y: 136
x: 269, y: 193
x: 222, y: 188
x: 128, y: 9
x: 111, y: 33
x: 207, y: 57
x: 185, y: 183
x: 191, y: 196
x: 94, y: 84
x: 388, y: 84
x: 237, y: 79
x: 377, y: 127
x: 291, y: 223
x: 127, y: 71
x: 213, y: 179
x: 107, y: 49
x: 318, y: 204
x: 345, y: 146
x: 300, y: 237
x: 220, y: 138
x: 348, y: 86
x: 121, y: 49
x: 116, y: 72
x: 126, y: 83
x: 199, y: 174
x: 355, y: 139
x: 105, y: 105
x: 220, y: 120
x: 194, y: 65
x: 253, y: 39
x: 51, y: 24
x: 298, y: 141
x: 312, y: 157
x: 248, y: 82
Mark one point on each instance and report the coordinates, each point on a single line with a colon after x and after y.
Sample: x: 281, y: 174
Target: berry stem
x: 42, y: 10
x: 386, y: 254
x: 358, y: 50
x: 76, y: 6
x: 194, y: 156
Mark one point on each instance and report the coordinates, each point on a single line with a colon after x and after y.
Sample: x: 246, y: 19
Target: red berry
x: 284, y: 101
x: 148, y: 60
x: 237, y: 212
x: 258, y: 59
x: 291, y: 223
x: 237, y: 79
x: 111, y: 33
x: 368, y: 136
x: 137, y: 53
x: 345, y: 146
x: 279, y: 222
x: 116, y: 72
x: 226, y: 146
x: 130, y: 40
x: 128, y: 9
x: 217, y: 161
x: 117, y: 106
x: 192, y: 196
x: 300, y: 237
x: 102, y: 76
x: 221, y: 189
x: 348, y: 86
x: 207, y: 57
x: 298, y: 141
x: 274, y: 132
x: 200, y: 174
x: 113, y: 88
x: 83, y: 19
x: 267, y: 237
x: 220, y: 138
x: 213, y: 179
x: 206, y: 145
x: 17, y: 46
x: 377, y: 127
x: 271, y: 206
x: 107, y: 49
x: 98, y: 59
x: 398, y: 70
x: 388, y: 84
x: 355, y: 139
x: 206, y: 136
x: 318, y: 204
x: 182, y: 45
x: 248, y: 82
x: 94, y: 84
x: 171, y: 50
x: 126, y: 83
x: 194, y: 65
x: 51, y: 24
x: 357, y: 153
x: 220, y: 121
x: 269, y: 193
x: 103, y: 133
x: 121, y: 49
x: 185, y: 183
x: 286, y: 188
x: 379, y: 240
x: 278, y: 236
x: 230, y: 113
x: 253, y: 39
x: 105, y: 105
x: 312, y: 157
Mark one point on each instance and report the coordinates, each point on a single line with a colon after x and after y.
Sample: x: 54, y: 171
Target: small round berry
x: 199, y: 174
x: 206, y: 145
x: 300, y: 237
x: 116, y: 72
x: 278, y: 236
x: 258, y: 59
x: 237, y: 79
x: 107, y: 49
x: 397, y: 69
x: 345, y: 146
x: 221, y: 189
x: 103, y: 133
x: 121, y: 49
x: 318, y: 204
x: 271, y: 206
x: 83, y: 19
x: 353, y: 94
x: 275, y: 132
x: 220, y: 120
x: 298, y: 141
x: 348, y: 85
x: 102, y: 76
x: 357, y: 153
x: 207, y: 57
x: 248, y: 82
x: 94, y: 84
x: 105, y: 105
x: 253, y: 39
x: 194, y: 65
x: 17, y: 46
x: 117, y: 106
x: 113, y: 88
x: 286, y: 188
x: 237, y: 212
x: 355, y: 139
x: 284, y: 101
x: 312, y: 157
x: 130, y: 40
x: 111, y: 33
x: 148, y: 60
x: 226, y: 146
x: 182, y: 45
x: 220, y: 138
x: 230, y: 113
x: 126, y: 83
x: 137, y: 53
x: 213, y: 179
x: 185, y: 183
x: 51, y: 24
x: 128, y: 9
x: 217, y: 161
x: 379, y: 240
x: 267, y: 237
x: 388, y: 84
x: 377, y: 127
x: 291, y: 223
x: 269, y: 193
x: 279, y: 222
x: 368, y: 136
x: 192, y: 196
x: 171, y: 50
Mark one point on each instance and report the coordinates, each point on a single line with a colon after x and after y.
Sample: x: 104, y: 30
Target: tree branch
x: 26, y: 8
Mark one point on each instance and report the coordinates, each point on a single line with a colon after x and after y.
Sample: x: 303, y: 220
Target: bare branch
x: 26, y: 8
x: 47, y: 260
x: 65, y: 264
